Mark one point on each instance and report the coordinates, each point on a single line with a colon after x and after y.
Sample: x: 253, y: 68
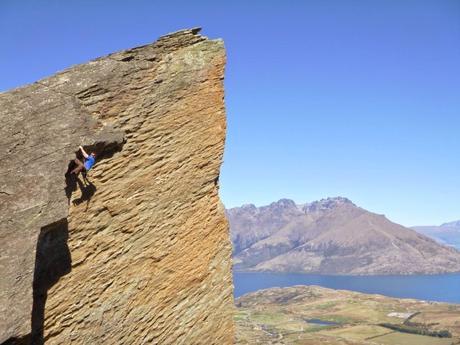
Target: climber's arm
x: 84, y: 152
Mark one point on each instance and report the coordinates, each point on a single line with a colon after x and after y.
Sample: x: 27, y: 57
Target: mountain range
x: 331, y: 236
x: 447, y: 233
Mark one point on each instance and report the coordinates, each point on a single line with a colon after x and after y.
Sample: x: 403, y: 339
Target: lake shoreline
x: 440, y: 288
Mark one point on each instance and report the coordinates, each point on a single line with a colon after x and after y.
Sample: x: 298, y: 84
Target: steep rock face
x: 141, y: 252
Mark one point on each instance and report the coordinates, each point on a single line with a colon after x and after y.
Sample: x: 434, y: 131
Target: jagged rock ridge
x: 141, y: 253
x: 331, y: 236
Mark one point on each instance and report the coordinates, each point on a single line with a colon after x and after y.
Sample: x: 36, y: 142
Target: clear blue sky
x: 324, y: 98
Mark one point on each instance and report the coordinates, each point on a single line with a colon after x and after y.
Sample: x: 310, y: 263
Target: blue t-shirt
x: 89, y: 162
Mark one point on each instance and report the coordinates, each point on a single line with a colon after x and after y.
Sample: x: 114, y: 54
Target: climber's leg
x: 80, y: 167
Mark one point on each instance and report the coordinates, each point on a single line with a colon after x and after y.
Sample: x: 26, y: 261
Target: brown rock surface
x: 141, y: 253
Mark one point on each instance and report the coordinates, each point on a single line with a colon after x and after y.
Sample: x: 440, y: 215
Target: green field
x: 356, y: 333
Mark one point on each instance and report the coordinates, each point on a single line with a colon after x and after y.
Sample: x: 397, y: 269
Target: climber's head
x: 93, y: 154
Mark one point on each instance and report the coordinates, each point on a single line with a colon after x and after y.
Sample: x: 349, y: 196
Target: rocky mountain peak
x: 326, y: 204
x: 333, y: 236
x: 284, y: 204
x: 251, y: 208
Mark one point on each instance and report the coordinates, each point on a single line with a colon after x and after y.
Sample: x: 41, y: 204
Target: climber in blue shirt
x: 90, y: 160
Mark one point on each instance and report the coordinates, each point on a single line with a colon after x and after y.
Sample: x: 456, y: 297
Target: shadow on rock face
x: 52, y: 261
x: 87, y: 189
x: 70, y: 181
x: 18, y: 341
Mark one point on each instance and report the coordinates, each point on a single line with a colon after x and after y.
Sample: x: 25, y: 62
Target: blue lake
x: 442, y: 288
x: 319, y: 322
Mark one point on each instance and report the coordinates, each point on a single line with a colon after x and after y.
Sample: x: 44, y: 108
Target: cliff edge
x: 140, y: 252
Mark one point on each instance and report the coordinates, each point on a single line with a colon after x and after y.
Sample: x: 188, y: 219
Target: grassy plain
x: 290, y: 316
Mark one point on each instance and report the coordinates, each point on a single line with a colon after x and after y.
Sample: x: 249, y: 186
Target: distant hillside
x: 447, y: 233
x: 331, y: 236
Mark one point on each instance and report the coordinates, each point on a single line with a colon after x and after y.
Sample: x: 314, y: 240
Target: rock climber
x: 90, y: 160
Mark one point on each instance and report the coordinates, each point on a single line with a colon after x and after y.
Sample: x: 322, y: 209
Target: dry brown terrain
x: 311, y: 315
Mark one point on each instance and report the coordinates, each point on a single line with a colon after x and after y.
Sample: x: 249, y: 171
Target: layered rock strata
x: 139, y: 253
